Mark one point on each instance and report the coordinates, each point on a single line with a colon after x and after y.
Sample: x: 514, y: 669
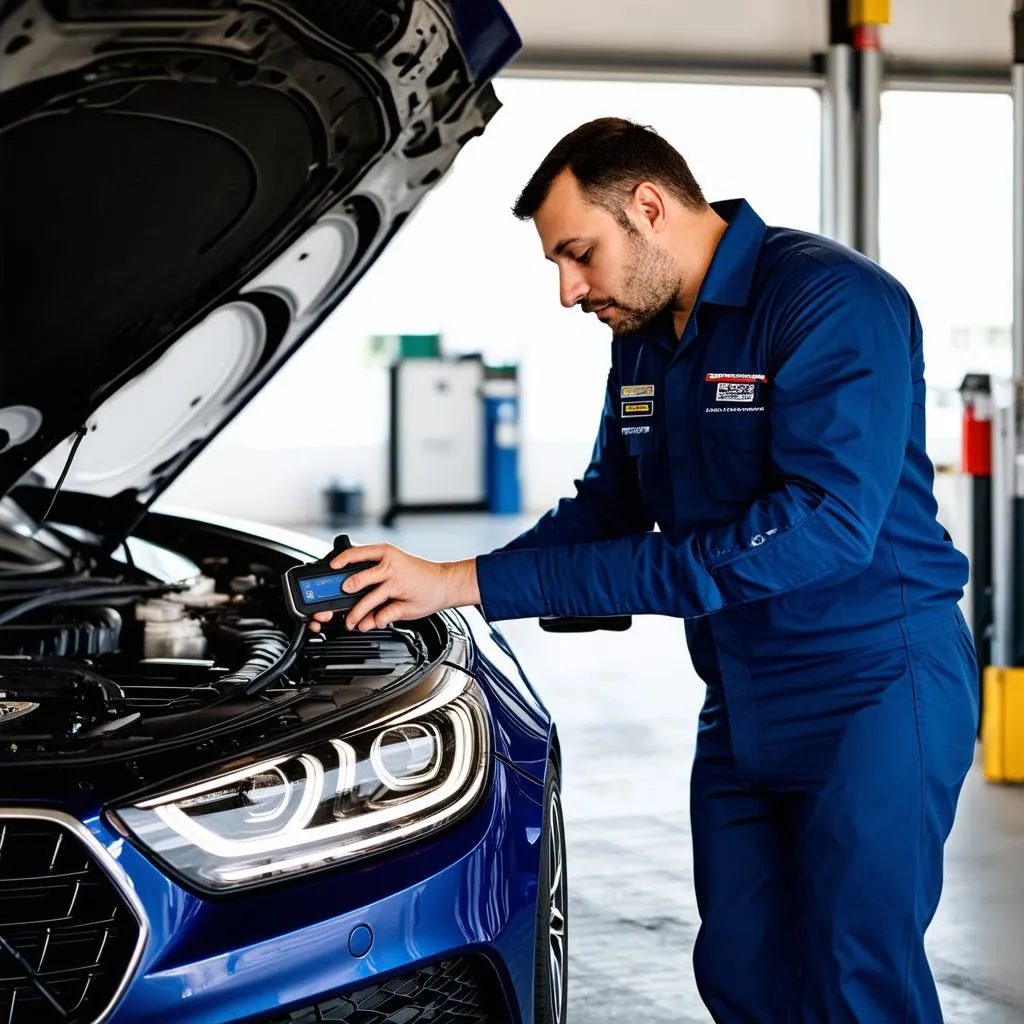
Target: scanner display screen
x: 322, y: 588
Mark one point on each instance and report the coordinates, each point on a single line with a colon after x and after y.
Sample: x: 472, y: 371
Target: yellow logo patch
x: 633, y: 409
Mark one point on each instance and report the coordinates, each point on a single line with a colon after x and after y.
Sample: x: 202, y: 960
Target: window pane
x: 946, y: 181
x: 464, y: 267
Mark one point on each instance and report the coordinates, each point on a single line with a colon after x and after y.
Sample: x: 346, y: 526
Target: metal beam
x: 599, y: 65
x: 916, y: 77
x: 724, y: 69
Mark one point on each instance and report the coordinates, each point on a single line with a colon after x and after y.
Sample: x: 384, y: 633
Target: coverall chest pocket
x: 648, y: 453
x: 735, y: 445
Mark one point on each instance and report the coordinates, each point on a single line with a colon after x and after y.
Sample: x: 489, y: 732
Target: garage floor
x: 626, y: 707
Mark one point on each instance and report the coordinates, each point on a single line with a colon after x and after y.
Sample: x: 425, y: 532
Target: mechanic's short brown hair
x: 609, y: 157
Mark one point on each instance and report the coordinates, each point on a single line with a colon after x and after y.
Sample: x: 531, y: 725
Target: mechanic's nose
x: 572, y: 287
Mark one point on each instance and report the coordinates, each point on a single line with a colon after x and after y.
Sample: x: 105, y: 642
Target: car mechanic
x: 765, y: 409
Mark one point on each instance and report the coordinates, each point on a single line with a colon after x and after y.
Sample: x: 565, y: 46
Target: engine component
x: 168, y: 630
x: 68, y: 700
x: 244, y: 584
x: 201, y: 594
x: 159, y: 684
x: 181, y: 639
x: 69, y: 632
x: 159, y: 610
x: 331, y: 654
x: 264, y: 643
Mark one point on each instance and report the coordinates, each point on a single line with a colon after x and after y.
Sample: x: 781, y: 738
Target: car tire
x: 551, y: 954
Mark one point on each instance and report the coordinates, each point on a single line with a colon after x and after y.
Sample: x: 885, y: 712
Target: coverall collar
x: 731, y: 272
x: 729, y: 276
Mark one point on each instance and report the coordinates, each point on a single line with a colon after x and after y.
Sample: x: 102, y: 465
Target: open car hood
x: 188, y: 188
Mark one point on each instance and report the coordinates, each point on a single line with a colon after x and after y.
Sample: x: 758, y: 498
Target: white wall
x: 464, y: 267
x: 946, y: 231
x: 761, y: 28
x: 957, y: 31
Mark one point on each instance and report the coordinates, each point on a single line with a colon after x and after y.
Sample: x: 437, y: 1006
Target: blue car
x: 208, y: 813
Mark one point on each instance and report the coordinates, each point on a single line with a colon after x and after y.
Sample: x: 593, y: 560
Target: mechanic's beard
x: 651, y: 283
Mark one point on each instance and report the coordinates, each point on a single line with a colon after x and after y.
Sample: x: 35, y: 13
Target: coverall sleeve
x: 840, y: 412
x: 607, y: 503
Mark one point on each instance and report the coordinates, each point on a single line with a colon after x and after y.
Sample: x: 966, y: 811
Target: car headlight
x: 335, y: 800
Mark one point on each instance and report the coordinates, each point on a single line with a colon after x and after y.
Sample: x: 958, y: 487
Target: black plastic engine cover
x: 71, y: 632
x: 40, y: 700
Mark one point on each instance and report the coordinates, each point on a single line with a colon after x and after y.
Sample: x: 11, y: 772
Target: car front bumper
x: 455, y: 910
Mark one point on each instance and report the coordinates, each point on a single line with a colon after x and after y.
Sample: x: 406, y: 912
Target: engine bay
x: 152, y: 646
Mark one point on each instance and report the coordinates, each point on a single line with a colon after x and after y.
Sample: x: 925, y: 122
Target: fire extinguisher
x: 976, y: 439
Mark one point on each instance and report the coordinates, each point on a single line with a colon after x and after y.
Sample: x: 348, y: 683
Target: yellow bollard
x: 1002, y: 725
x: 869, y: 12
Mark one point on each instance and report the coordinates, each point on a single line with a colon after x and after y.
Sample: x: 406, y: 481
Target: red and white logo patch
x: 736, y: 387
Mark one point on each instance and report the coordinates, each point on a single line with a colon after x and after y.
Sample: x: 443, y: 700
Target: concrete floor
x: 626, y: 707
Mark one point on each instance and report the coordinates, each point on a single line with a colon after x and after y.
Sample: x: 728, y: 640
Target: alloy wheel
x: 558, y: 898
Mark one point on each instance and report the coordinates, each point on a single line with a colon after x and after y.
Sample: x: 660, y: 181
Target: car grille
x: 452, y: 992
x: 67, y: 936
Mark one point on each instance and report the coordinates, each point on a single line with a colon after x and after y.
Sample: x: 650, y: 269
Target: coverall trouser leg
x: 744, y: 876
x: 860, y: 797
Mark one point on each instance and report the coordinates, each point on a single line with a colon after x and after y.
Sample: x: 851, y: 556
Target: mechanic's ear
x: 649, y: 206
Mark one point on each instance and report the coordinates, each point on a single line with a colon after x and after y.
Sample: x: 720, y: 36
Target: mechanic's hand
x: 404, y: 587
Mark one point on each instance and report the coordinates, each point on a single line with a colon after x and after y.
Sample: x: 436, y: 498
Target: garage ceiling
x: 936, y: 33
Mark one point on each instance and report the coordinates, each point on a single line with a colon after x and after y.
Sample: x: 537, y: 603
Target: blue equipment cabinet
x: 501, y: 462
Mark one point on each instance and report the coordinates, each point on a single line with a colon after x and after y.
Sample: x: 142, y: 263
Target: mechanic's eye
x: 585, y: 258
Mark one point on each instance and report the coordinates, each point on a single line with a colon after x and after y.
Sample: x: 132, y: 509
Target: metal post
x: 1003, y: 470
x: 1018, y: 191
x: 838, y: 165
x: 1011, y: 606
x: 866, y: 17
x: 869, y: 124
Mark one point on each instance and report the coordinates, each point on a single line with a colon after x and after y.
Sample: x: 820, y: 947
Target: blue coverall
x: 779, y: 447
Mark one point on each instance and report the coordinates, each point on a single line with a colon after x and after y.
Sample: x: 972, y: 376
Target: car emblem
x: 11, y: 709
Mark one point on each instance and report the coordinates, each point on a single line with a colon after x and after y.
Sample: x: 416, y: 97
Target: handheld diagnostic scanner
x: 316, y: 587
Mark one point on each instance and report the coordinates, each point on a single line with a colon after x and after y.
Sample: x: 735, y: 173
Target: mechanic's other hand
x: 404, y: 587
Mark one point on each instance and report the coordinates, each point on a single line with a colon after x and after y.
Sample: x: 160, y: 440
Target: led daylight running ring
x: 428, y: 774
x: 184, y: 796
x: 460, y: 718
x: 281, y: 801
